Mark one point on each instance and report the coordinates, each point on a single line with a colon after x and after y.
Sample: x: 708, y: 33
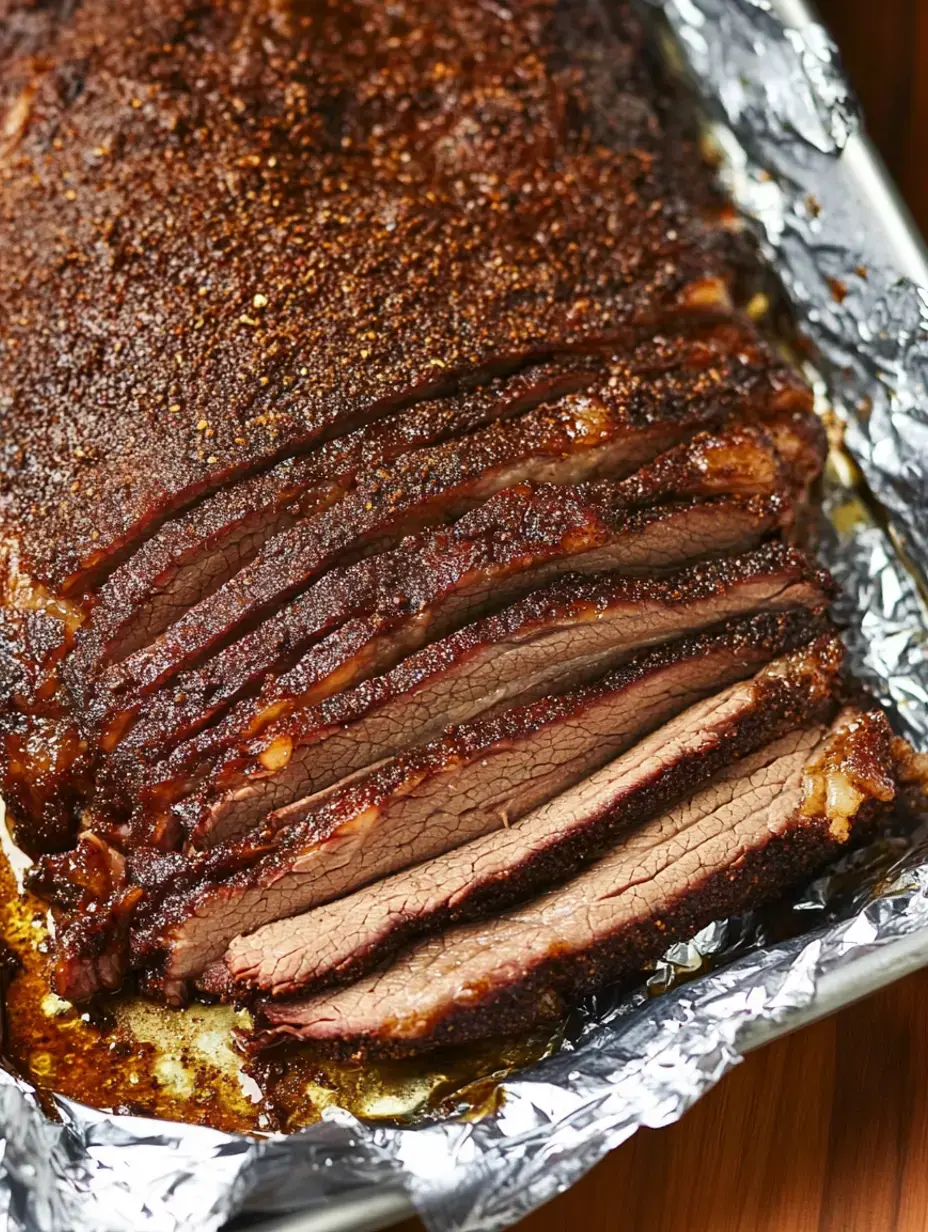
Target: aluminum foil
x: 790, y: 131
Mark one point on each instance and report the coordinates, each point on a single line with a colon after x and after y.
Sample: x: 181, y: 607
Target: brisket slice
x: 740, y: 460
x: 552, y: 639
x: 195, y: 553
x: 477, y: 778
x: 619, y: 425
x: 361, y: 620
x: 348, y: 937
x: 766, y: 822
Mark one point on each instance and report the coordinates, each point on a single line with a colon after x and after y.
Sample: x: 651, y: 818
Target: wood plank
x: 823, y: 1131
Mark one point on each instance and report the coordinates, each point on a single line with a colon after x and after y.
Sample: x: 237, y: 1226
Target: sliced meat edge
x: 193, y: 555
x: 384, y: 608
x: 349, y: 936
x: 555, y: 639
x: 478, y: 778
x: 770, y: 820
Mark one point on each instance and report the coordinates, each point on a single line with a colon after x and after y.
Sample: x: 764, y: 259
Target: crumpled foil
x: 791, y: 133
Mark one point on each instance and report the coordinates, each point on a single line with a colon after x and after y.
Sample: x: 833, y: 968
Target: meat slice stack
x: 761, y: 824
x: 355, y: 931
x: 426, y: 587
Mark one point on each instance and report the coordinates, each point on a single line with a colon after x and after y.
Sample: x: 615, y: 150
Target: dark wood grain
x: 827, y: 1130
x: 884, y: 44
x: 823, y: 1131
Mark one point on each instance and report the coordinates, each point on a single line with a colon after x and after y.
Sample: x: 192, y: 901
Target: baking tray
x: 900, y: 242
x: 368, y: 1212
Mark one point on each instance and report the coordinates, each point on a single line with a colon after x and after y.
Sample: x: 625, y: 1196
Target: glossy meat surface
x: 743, y: 838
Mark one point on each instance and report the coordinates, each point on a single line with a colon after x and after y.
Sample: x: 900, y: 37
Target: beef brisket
x: 347, y: 937
x: 477, y: 778
x: 766, y: 822
x: 383, y: 454
x: 742, y: 461
x: 701, y: 377
x: 232, y: 276
x: 609, y: 431
x: 360, y: 620
x: 555, y: 638
x: 195, y: 553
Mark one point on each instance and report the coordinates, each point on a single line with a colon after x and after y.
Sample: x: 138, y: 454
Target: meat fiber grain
x: 552, y: 640
x: 476, y: 779
x: 347, y: 937
x: 765, y: 823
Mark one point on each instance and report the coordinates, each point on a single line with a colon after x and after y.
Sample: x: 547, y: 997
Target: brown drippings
x: 23, y: 593
x: 125, y: 1054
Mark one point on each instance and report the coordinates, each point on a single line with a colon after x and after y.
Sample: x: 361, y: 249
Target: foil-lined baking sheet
x: 797, y: 164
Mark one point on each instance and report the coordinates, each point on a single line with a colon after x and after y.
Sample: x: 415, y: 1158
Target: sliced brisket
x: 349, y: 339
x: 477, y: 778
x: 360, y: 620
x: 347, y: 937
x: 553, y: 639
x: 741, y: 461
x: 617, y: 426
x: 195, y: 553
x: 766, y: 822
x: 349, y: 334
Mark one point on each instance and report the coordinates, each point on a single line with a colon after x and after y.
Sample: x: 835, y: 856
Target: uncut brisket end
x: 477, y: 778
x: 555, y: 638
x: 195, y: 553
x: 364, y: 618
x: 232, y: 278
x: 618, y: 425
x: 346, y: 938
x: 764, y: 824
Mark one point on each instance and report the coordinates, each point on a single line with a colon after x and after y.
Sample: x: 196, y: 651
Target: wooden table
x: 823, y: 1131
x: 826, y: 1130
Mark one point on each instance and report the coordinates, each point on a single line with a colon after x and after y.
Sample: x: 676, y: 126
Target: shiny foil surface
x: 789, y: 131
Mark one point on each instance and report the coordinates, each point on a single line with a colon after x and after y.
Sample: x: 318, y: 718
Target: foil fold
x: 790, y: 132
